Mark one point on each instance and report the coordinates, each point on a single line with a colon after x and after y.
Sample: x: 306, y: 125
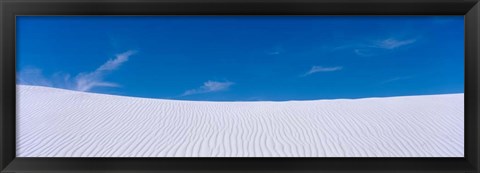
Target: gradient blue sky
x: 244, y: 58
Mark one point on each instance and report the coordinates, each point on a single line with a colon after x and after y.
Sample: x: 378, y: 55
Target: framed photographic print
x: 279, y: 86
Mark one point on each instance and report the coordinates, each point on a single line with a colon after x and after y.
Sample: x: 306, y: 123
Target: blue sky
x: 244, y: 58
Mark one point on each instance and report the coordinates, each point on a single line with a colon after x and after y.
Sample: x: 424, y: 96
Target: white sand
x: 61, y: 123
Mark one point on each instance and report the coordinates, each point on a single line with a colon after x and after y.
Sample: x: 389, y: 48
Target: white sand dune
x: 61, y: 123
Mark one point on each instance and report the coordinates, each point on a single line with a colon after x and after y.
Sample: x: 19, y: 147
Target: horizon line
x: 136, y: 97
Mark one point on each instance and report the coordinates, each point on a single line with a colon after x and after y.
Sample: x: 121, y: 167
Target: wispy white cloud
x: 82, y: 82
x: 392, y: 43
x: 33, y: 76
x: 274, y: 53
x: 318, y: 69
x: 395, y: 79
x: 276, y: 50
x: 369, y: 47
x: 376, y: 47
x: 364, y: 52
x: 209, y: 86
x: 87, y: 81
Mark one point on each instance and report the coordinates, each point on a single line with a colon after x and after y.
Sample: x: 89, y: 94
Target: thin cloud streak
x: 33, y: 76
x: 87, y: 81
x: 395, y: 79
x: 276, y: 50
x: 209, y: 86
x: 318, y: 69
x: 82, y: 82
x: 378, y: 46
x: 367, y: 48
x: 392, y: 43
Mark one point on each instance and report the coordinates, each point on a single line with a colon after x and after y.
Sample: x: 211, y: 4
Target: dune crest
x: 61, y: 123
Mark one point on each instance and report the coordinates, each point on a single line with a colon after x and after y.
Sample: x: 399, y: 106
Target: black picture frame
x: 11, y: 8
